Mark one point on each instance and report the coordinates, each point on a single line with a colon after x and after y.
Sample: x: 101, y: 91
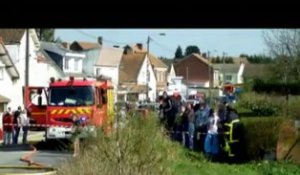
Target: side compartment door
x: 110, y: 105
x: 36, y: 100
x: 98, y: 112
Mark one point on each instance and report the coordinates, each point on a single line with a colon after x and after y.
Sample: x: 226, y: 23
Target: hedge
x: 260, y: 104
x: 260, y: 136
x: 281, y: 88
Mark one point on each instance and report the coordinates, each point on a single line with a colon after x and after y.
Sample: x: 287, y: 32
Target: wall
x: 71, y: 65
x: 90, y: 60
x: 193, y: 70
x: 216, y: 81
x: 161, y: 78
x: 233, y: 78
x: 240, y: 79
x: 6, y: 89
x: 39, y: 73
x: 112, y: 72
x: 142, y: 80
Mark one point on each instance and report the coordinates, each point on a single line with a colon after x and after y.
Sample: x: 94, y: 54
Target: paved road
x: 10, y: 155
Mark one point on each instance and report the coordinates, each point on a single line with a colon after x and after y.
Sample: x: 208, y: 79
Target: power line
x: 163, y: 46
x: 95, y: 37
x: 123, y: 43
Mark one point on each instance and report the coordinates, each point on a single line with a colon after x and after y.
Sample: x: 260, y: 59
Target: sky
x: 217, y: 41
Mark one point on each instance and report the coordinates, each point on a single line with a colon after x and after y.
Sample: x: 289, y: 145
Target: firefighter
x: 232, y: 133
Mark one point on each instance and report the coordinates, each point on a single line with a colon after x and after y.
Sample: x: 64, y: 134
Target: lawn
x: 194, y: 164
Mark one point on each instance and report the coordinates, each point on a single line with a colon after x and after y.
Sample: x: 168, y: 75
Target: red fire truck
x: 51, y: 108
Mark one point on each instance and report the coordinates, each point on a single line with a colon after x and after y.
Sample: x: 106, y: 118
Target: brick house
x: 197, y: 71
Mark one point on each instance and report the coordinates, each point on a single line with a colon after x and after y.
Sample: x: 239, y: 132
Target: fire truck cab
x: 52, y: 107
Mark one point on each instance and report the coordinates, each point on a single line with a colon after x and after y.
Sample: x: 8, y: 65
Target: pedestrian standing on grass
x: 188, y: 118
x: 7, y: 122
x: 211, y: 145
x: 169, y: 112
x: 201, y: 120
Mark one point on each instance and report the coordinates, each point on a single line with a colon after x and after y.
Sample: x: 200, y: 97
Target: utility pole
x: 209, y: 75
x: 286, y: 87
x: 148, y: 76
x: 223, y: 62
x: 27, y: 59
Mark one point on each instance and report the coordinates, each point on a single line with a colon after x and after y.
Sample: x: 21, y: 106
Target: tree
x: 284, y: 45
x: 218, y: 60
x: 46, y: 34
x: 213, y: 60
x: 191, y: 49
x: 178, y: 53
x: 229, y: 60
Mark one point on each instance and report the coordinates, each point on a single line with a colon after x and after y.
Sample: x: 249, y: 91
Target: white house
x: 91, y: 51
x: 175, y: 83
x: 68, y: 62
x: 108, y: 64
x: 9, y: 75
x: 159, y: 67
x: 15, y: 42
x: 133, y: 78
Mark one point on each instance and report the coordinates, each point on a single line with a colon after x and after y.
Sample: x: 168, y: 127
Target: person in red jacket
x: 7, y: 121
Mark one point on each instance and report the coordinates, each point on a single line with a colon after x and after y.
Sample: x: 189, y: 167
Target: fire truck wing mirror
x: 40, y: 91
x: 40, y: 100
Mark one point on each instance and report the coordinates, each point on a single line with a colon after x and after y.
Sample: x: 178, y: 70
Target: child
x: 77, y: 132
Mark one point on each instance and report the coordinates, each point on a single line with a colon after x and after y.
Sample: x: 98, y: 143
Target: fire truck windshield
x: 71, y: 96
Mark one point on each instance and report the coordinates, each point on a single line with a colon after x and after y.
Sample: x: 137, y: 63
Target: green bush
x: 280, y: 88
x: 260, y: 104
x: 293, y: 108
x: 260, y: 135
x: 137, y: 149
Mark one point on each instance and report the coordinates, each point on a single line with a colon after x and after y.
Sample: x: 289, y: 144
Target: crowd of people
x: 199, y: 127
x: 13, y: 122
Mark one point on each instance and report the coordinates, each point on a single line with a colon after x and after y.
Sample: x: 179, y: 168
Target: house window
x: 228, y: 77
x: 67, y: 63
x: 2, y: 105
x: 98, y: 71
x: 76, y: 64
x: 162, y: 77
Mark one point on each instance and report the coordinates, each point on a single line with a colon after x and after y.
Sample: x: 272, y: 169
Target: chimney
x: 127, y: 49
x: 204, y: 55
x: 100, y: 39
x: 66, y: 45
x: 116, y: 46
x: 140, y: 46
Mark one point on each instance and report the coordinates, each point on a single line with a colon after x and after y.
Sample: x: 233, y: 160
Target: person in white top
x: 213, y: 124
x: 211, y: 145
x: 24, y: 122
